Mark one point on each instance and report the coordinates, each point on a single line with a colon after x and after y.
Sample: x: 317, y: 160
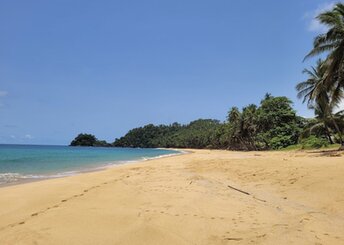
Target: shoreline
x: 59, y: 175
x: 291, y: 198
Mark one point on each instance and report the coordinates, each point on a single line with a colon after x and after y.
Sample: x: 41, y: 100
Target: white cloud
x: 28, y: 136
x: 3, y: 93
x: 12, y: 136
x: 341, y: 106
x: 313, y: 24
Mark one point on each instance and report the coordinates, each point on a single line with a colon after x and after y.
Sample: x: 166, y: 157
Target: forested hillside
x: 197, y: 134
x: 271, y: 125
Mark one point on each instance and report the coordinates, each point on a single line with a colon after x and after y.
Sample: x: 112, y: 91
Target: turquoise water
x: 18, y: 162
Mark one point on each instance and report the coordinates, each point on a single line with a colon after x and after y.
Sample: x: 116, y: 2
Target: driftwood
x: 259, y: 199
x: 233, y: 239
x: 244, y: 192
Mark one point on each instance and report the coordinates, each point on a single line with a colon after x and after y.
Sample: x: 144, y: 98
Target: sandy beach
x: 206, y: 197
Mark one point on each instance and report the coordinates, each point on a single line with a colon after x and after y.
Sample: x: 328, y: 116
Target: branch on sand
x: 246, y: 193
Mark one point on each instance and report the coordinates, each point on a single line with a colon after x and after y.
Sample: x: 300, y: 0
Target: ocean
x: 31, y: 162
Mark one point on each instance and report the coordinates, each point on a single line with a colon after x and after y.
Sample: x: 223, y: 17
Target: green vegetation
x: 314, y: 142
x: 324, y: 88
x: 270, y: 126
x: 197, y: 134
x: 273, y: 124
x: 88, y: 140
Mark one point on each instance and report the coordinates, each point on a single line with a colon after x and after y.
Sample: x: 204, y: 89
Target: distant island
x: 271, y: 125
x: 88, y: 140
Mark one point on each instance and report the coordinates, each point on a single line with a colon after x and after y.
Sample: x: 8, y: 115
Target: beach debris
x: 262, y: 200
x: 246, y: 193
x: 233, y: 239
x: 236, y: 189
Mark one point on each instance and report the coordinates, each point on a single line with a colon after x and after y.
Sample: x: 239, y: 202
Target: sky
x: 104, y: 67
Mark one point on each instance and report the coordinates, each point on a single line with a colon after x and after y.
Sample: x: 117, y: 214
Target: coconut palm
x: 319, y: 97
x: 314, y: 89
x: 322, y: 124
x: 234, y: 115
x: 249, y: 125
x: 332, y: 43
x: 234, y: 119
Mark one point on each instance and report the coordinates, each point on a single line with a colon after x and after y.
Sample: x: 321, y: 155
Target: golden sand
x: 273, y: 198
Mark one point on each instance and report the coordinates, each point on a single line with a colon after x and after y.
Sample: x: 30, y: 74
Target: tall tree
x: 235, y: 133
x: 332, y: 44
x: 319, y: 97
x: 249, y: 125
x: 277, y: 123
x: 323, y: 124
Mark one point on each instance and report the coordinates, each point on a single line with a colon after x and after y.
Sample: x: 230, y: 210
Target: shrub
x: 280, y: 142
x: 313, y: 142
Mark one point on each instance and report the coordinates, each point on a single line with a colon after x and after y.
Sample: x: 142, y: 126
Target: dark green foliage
x: 272, y: 125
x: 314, y: 142
x: 197, y: 134
x: 87, y: 140
x: 324, y: 88
x: 278, y: 124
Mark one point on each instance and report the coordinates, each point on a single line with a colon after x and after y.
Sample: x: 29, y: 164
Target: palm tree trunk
x: 328, y: 135
x: 339, y: 133
x: 253, y: 143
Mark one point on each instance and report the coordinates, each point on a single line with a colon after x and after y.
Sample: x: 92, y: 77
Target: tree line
x: 324, y: 88
x: 273, y: 124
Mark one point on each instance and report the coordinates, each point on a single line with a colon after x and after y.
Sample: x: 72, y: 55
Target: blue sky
x: 104, y: 67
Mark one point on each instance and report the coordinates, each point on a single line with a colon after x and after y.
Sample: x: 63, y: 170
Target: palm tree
x: 322, y: 124
x: 249, y: 125
x: 234, y: 119
x: 318, y: 97
x: 332, y: 43
x: 234, y: 115
x: 314, y: 89
x: 243, y: 127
